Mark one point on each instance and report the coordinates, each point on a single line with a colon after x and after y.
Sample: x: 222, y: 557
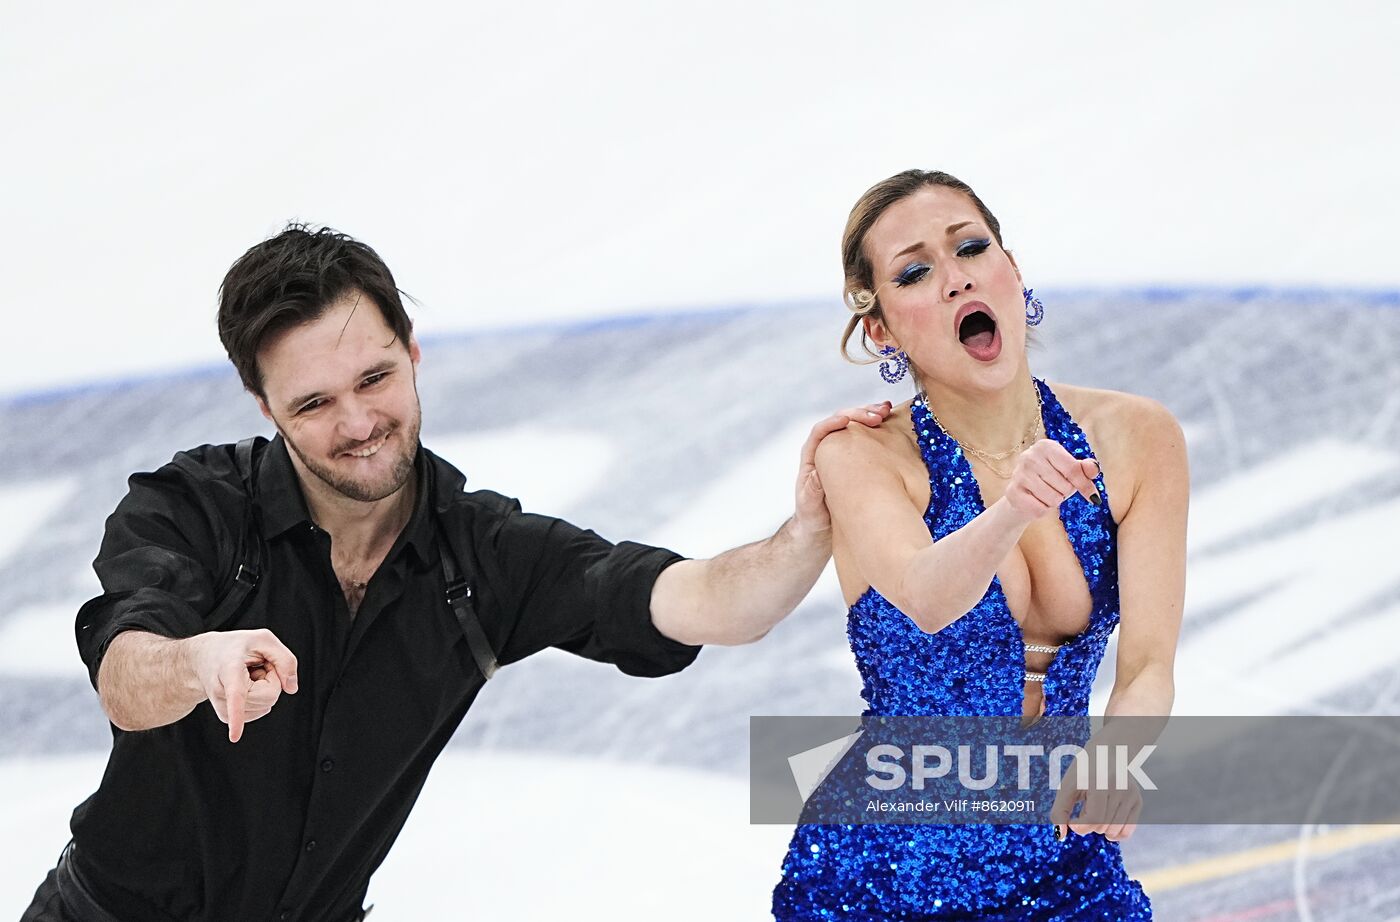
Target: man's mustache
x: 374, y: 437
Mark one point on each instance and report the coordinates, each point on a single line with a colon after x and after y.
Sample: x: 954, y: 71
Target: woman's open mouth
x: 978, y: 332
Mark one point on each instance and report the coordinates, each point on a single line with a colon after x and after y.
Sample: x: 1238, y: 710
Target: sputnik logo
x: 810, y: 768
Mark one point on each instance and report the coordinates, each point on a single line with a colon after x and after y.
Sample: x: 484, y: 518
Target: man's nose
x: 356, y: 419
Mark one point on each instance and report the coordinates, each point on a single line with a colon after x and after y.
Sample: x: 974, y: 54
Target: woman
x: 1009, y: 609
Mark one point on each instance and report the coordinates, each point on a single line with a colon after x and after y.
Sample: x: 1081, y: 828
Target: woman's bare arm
x: 1151, y: 563
x: 880, y: 528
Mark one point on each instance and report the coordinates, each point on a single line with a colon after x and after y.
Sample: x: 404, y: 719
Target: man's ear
x: 414, y: 353
x: 263, y: 408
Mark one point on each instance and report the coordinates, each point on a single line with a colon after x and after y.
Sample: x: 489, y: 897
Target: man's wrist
x: 807, y: 537
x: 186, y: 662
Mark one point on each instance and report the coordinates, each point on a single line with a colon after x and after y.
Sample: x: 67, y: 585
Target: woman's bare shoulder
x: 888, y: 446
x: 1126, y: 431
x: 1114, y: 411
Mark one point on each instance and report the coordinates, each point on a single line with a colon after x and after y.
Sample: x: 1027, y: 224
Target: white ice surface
x: 520, y: 461
x: 27, y: 506
x: 498, y: 836
x: 38, y: 641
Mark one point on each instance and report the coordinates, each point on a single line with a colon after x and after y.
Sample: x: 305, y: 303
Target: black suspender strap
x: 459, y: 599
x: 245, y: 577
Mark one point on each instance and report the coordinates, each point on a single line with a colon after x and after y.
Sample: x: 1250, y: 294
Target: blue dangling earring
x: 901, y: 365
x: 1035, y: 311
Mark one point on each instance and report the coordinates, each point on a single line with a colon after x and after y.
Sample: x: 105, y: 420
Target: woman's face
x: 950, y: 295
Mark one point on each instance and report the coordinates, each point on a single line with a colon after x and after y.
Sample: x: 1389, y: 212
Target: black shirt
x: 291, y: 821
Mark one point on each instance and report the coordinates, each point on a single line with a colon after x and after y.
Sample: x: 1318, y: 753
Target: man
x: 342, y: 565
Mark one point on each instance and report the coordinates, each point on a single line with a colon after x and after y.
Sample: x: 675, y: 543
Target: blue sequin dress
x: 974, y: 666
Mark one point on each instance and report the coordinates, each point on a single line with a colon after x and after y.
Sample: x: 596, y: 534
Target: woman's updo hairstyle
x: 860, y: 276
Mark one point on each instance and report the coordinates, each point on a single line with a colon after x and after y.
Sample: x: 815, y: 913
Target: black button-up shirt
x: 291, y: 821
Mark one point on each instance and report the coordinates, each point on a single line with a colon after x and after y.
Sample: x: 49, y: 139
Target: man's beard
x: 370, y: 490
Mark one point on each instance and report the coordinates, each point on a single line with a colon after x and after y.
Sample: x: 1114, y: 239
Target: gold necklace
x: 1032, y: 431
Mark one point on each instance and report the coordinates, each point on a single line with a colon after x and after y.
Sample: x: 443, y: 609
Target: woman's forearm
x: 1149, y: 693
x: 943, y: 581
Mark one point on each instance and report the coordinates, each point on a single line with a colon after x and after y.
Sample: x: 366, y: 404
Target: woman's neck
x: 989, y: 420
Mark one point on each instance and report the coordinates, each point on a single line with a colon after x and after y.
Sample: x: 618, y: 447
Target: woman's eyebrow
x: 952, y: 229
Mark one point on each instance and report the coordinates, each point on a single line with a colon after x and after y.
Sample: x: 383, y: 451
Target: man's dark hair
x: 293, y: 278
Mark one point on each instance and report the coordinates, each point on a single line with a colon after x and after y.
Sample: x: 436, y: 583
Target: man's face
x: 341, y: 390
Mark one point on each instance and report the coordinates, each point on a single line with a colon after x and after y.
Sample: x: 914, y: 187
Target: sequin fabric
x: 974, y: 666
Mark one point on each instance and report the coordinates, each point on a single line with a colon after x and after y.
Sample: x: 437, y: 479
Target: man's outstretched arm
x: 737, y: 597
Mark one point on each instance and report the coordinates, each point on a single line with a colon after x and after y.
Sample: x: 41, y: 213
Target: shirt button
x: 327, y: 764
x: 285, y: 914
x: 311, y: 845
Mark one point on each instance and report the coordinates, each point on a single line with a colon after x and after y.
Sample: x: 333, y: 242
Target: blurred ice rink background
x: 622, y: 222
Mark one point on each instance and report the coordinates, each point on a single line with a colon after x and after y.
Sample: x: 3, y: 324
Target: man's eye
x: 911, y: 275
x: 375, y: 379
x: 308, y: 407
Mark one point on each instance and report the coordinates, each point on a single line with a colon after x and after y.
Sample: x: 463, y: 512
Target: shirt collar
x: 447, y: 483
x: 283, y: 504
x: 280, y: 500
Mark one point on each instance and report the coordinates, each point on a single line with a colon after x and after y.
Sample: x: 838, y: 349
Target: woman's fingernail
x: 1094, y: 498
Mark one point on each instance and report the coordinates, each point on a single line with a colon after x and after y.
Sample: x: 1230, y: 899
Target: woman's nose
x: 956, y: 286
